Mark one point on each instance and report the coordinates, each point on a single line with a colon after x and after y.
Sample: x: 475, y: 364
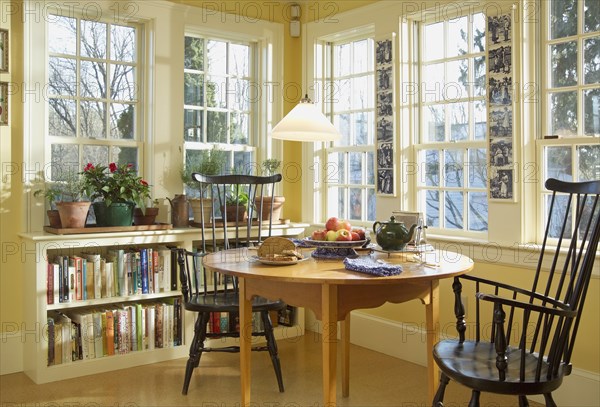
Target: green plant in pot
x: 115, y: 191
x: 52, y: 193
x: 206, y: 162
x: 263, y: 205
x: 236, y: 203
x: 68, y: 195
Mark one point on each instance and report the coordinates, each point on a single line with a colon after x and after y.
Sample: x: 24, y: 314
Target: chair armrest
x: 562, y: 311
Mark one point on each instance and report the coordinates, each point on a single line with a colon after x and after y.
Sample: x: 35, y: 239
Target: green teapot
x: 392, y: 235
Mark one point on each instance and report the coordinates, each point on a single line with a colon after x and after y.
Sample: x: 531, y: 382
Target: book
x: 110, y: 333
x: 110, y: 279
x: 72, y: 279
x: 139, y: 326
x: 97, y: 324
x: 50, y: 327
x: 77, y: 263
x: 104, y: 336
x: 158, y: 325
x: 94, y: 280
x: 132, y: 314
x: 156, y: 281
x: 144, y: 269
x: 117, y: 257
x: 150, y: 326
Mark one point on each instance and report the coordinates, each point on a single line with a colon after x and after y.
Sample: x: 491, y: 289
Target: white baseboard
x: 11, y: 353
x: 407, y: 342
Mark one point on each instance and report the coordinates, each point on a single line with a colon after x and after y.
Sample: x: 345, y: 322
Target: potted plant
x: 72, y: 208
x: 236, y: 202
x: 208, y: 162
x: 115, y: 190
x: 263, y: 204
x: 52, y: 194
x: 147, y: 216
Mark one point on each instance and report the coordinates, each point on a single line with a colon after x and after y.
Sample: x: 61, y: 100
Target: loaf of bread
x: 278, y: 249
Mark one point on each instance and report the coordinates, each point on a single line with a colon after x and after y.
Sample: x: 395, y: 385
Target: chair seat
x: 229, y: 302
x: 473, y: 364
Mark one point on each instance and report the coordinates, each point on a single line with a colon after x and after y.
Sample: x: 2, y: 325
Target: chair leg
x: 523, y: 402
x: 272, y: 346
x: 549, y: 400
x: 195, y: 349
x: 474, y: 402
x: 438, y: 399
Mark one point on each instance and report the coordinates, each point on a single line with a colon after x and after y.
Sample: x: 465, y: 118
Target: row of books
x: 75, y: 335
x: 118, y: 273
x: 223, y: 322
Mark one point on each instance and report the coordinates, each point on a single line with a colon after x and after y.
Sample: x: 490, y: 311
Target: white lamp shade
x: 305, y: 123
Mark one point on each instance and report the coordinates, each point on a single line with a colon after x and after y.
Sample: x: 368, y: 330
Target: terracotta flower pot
x: 54, y: 218
x: 201, y: 203
x: 266, y: 207
x: 234, y: 213
x: 145, y: 218
x: 73, y: 214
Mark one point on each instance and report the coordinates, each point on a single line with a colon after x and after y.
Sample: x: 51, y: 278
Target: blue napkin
x: 370, y: 266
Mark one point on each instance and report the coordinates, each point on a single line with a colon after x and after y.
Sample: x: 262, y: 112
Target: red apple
x: 344, y: 224
x: 332, y: 223
x: 343, y: 235
x: 355, y: 236
x: 320, y: 234
x: 331, y: 235
x: 361, y: 233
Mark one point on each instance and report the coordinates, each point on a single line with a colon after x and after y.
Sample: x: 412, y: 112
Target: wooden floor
x: 375, y: 380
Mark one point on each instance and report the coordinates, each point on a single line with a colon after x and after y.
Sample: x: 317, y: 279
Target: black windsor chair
x: 211, y: 293
x: 530, y: 352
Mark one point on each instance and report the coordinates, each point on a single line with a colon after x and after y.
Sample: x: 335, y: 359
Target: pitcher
x: 179, y: 211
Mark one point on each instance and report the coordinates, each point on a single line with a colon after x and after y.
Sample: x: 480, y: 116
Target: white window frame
x: 138, y: 141
x: 420, y: 145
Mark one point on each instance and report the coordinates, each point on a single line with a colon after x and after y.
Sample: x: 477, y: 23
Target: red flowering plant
x: 119, y: 184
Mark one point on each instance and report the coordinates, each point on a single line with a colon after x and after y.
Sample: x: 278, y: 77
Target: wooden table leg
x: 329, y: 345
x: 432, y: 314
x: 345, y: 334
x: 245, y: 342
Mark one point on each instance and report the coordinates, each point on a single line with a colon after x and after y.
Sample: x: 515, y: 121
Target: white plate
x: 335, y: 244
x: 277, y: 263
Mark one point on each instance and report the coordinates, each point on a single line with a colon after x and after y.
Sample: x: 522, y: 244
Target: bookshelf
x: 38, y: 248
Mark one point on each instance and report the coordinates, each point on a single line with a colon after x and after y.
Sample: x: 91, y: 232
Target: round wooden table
x: 331, y: 291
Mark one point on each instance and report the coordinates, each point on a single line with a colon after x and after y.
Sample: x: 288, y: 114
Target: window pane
x: 591, y: 103
x: 194, y: 53
x: 122, y: 43
x: 478, y: 32
x: 356, y: 204
x: 362, y: 124
x: 122, y: 121
x: 370, y: 168
x: 371, y: 200
x: 457, y: 80
x: 61, y: 154
x: 217, y: 56
x: 433, y: 86
x: 240, y: 96
x: 564, y: 64
x: 453, y: 210
x: 242, y: 162
x: 362, y: 92
x: 478, y: 211
x: 342, y: 97
x: 459, y: 121
x: 453, y: 168
x: 336, y: 202
x: 192, y: 125
x: 62, y: 35
x: 355, y: 168
x: 432, y: 168
x: 558, y: 163
x: 477, y: 168
x: 93, y: 39
x: 216, y: 91
x: 335, y: 172
x: 62, y: 118
x: 457, y: 37
x: 363, y: 56
x: 342, y: 60
x: 62, y: 76
x: 93, y: 79
x: 592, y: 15
x: 239, y: 60
x: 433, y: 34
x: 240, y: 128
x: 97, y: 155
x: 564, y: 113
x: 122, y: 83
x: 216, y: 127
x: 480, y: 112
x: 434, y: 123
x: 558, y: 214
x: 92, y: 120
x: 591, y: 62
x: 124, y: 155
x: 479, y: 76
x: 342, y: 123
x: 589, y: 162
x: 192, y: 89
x: 563, y: 18
x: 432, y: 208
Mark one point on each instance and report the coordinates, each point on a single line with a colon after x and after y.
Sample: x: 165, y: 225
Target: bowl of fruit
x: 338, y: 240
